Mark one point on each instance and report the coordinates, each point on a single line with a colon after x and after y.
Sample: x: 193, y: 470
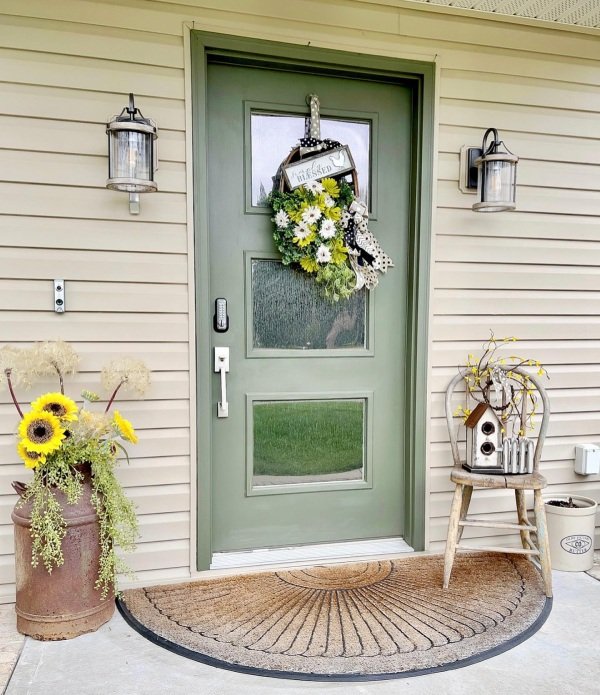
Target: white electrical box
x: 587, y: 459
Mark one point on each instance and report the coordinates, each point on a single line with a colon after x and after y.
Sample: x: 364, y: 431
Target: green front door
x: 312, y: 447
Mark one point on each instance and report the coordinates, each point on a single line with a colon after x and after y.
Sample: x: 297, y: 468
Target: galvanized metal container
x: 62, y: 604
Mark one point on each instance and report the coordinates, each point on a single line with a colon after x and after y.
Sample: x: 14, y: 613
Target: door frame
x: 419, y: 77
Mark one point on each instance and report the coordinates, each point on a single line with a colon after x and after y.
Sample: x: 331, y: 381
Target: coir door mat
x: 362, y: 621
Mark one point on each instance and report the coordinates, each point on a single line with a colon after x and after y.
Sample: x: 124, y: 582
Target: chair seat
x: 525, y: 481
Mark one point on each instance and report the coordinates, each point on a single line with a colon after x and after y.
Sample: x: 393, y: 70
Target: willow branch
x: 114, y: 395
x: 12, y: 393
x: 60, y: 378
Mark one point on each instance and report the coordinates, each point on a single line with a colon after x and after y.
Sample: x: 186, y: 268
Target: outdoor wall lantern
x: 132, y: 157
x: 493, y: 172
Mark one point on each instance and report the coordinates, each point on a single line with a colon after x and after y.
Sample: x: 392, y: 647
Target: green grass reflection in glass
x: 300, y: 438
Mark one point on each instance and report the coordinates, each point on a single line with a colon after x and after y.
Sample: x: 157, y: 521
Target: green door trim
x: 419, y: 76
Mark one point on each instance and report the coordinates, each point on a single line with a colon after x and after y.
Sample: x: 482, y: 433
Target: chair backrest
x: 507, y: 368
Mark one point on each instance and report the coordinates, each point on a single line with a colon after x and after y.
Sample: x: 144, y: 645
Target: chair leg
x: 523, y: 519
x: 464, y: 508
x: 453, y: 527
x: 542, y: 538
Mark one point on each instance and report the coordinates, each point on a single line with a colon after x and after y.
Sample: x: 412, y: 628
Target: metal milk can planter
x: 62, y: 604
x: 571, y: 533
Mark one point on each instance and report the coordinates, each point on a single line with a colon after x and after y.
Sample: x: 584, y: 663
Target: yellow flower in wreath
x: 309, y: 264
x: 41, y: 432
x: 330, y: 187
x: 339, y: 253
x: 334, y: 214
x: 61, y: 406
x: 125, y: 428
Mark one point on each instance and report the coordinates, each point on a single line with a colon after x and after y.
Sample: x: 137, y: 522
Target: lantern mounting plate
x: 473, y: 153
x: 467, y: 180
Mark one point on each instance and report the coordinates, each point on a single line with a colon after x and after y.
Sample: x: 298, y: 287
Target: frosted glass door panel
x: 289, y: 313
x: 298, y: 442
x: 274, y: 135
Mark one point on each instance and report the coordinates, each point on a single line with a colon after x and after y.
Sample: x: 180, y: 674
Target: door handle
x: 222, y: 367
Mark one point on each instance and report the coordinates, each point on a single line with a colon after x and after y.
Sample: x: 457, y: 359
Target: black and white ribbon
x: 367, y: 258
x: 312, y: 142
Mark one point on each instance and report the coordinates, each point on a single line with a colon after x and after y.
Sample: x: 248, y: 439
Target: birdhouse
x: 484, y: 441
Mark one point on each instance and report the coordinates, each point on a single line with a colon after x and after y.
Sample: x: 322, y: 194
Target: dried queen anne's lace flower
x: 15, y: 366
x: 56, y: 357
x: 130, y: 373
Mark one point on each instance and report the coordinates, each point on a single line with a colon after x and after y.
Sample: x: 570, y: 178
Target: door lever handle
x: 222, y: 367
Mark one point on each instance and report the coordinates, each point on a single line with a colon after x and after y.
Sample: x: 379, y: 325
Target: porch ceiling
x: 581, y: 13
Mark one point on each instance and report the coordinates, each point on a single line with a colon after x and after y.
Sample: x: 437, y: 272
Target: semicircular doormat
x: 361, y: 621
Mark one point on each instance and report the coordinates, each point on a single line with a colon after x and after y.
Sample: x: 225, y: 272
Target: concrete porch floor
x: 563, y: 658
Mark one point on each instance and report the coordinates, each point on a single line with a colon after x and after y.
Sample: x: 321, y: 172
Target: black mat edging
x: 334, y: 677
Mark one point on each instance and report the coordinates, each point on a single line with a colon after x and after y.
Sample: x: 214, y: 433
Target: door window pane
x: 298, y: 442
x: 288, y: 312
x: 274, y: 135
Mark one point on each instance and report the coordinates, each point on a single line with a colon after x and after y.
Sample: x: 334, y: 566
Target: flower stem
x: 12, y: 392
x: 114, y: 394
x: 60, y: 378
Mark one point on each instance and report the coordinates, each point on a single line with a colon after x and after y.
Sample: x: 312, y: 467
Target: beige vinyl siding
x: 127, y: 279
x: 533, y: 274
x: 68, y: 65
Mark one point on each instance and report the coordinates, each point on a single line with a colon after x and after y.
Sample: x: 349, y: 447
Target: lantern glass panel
x: 499, y: 181
x: 131, y: 158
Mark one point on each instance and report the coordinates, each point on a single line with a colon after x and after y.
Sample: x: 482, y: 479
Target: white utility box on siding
x: 587, y: 459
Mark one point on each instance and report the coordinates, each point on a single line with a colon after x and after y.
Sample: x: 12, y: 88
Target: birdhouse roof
x: 478, y: 413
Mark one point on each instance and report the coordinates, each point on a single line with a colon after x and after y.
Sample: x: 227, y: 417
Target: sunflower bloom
x: 125, y: 428
x: 59, y: 405
x: 31, y: 459
x: 41, y: 432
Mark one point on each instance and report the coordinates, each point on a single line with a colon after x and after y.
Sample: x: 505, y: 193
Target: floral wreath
x: 322, y: 228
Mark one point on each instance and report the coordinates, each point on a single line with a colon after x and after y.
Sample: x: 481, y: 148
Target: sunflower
x: 125, y: 428
x: 31, y: 459
x: 59, y: 405
x: 41, y: 432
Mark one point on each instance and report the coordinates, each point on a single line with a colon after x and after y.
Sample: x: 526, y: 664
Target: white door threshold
x: 303, y: 554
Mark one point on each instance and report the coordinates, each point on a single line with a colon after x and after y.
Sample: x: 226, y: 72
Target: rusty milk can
x: 64, y: 603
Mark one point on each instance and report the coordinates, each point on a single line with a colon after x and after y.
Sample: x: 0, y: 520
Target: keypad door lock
x: 221, y: 319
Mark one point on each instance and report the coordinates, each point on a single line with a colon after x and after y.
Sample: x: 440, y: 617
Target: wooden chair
x: 465, y: 481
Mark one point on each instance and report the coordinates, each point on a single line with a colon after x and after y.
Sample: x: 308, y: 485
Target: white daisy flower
x: 323, y: 254
x: 327, y: 230
x: 281, y: 219
x: 314, y: 187
x: 311, y: 215
x: 329, y: 201
x: 302, y: 230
